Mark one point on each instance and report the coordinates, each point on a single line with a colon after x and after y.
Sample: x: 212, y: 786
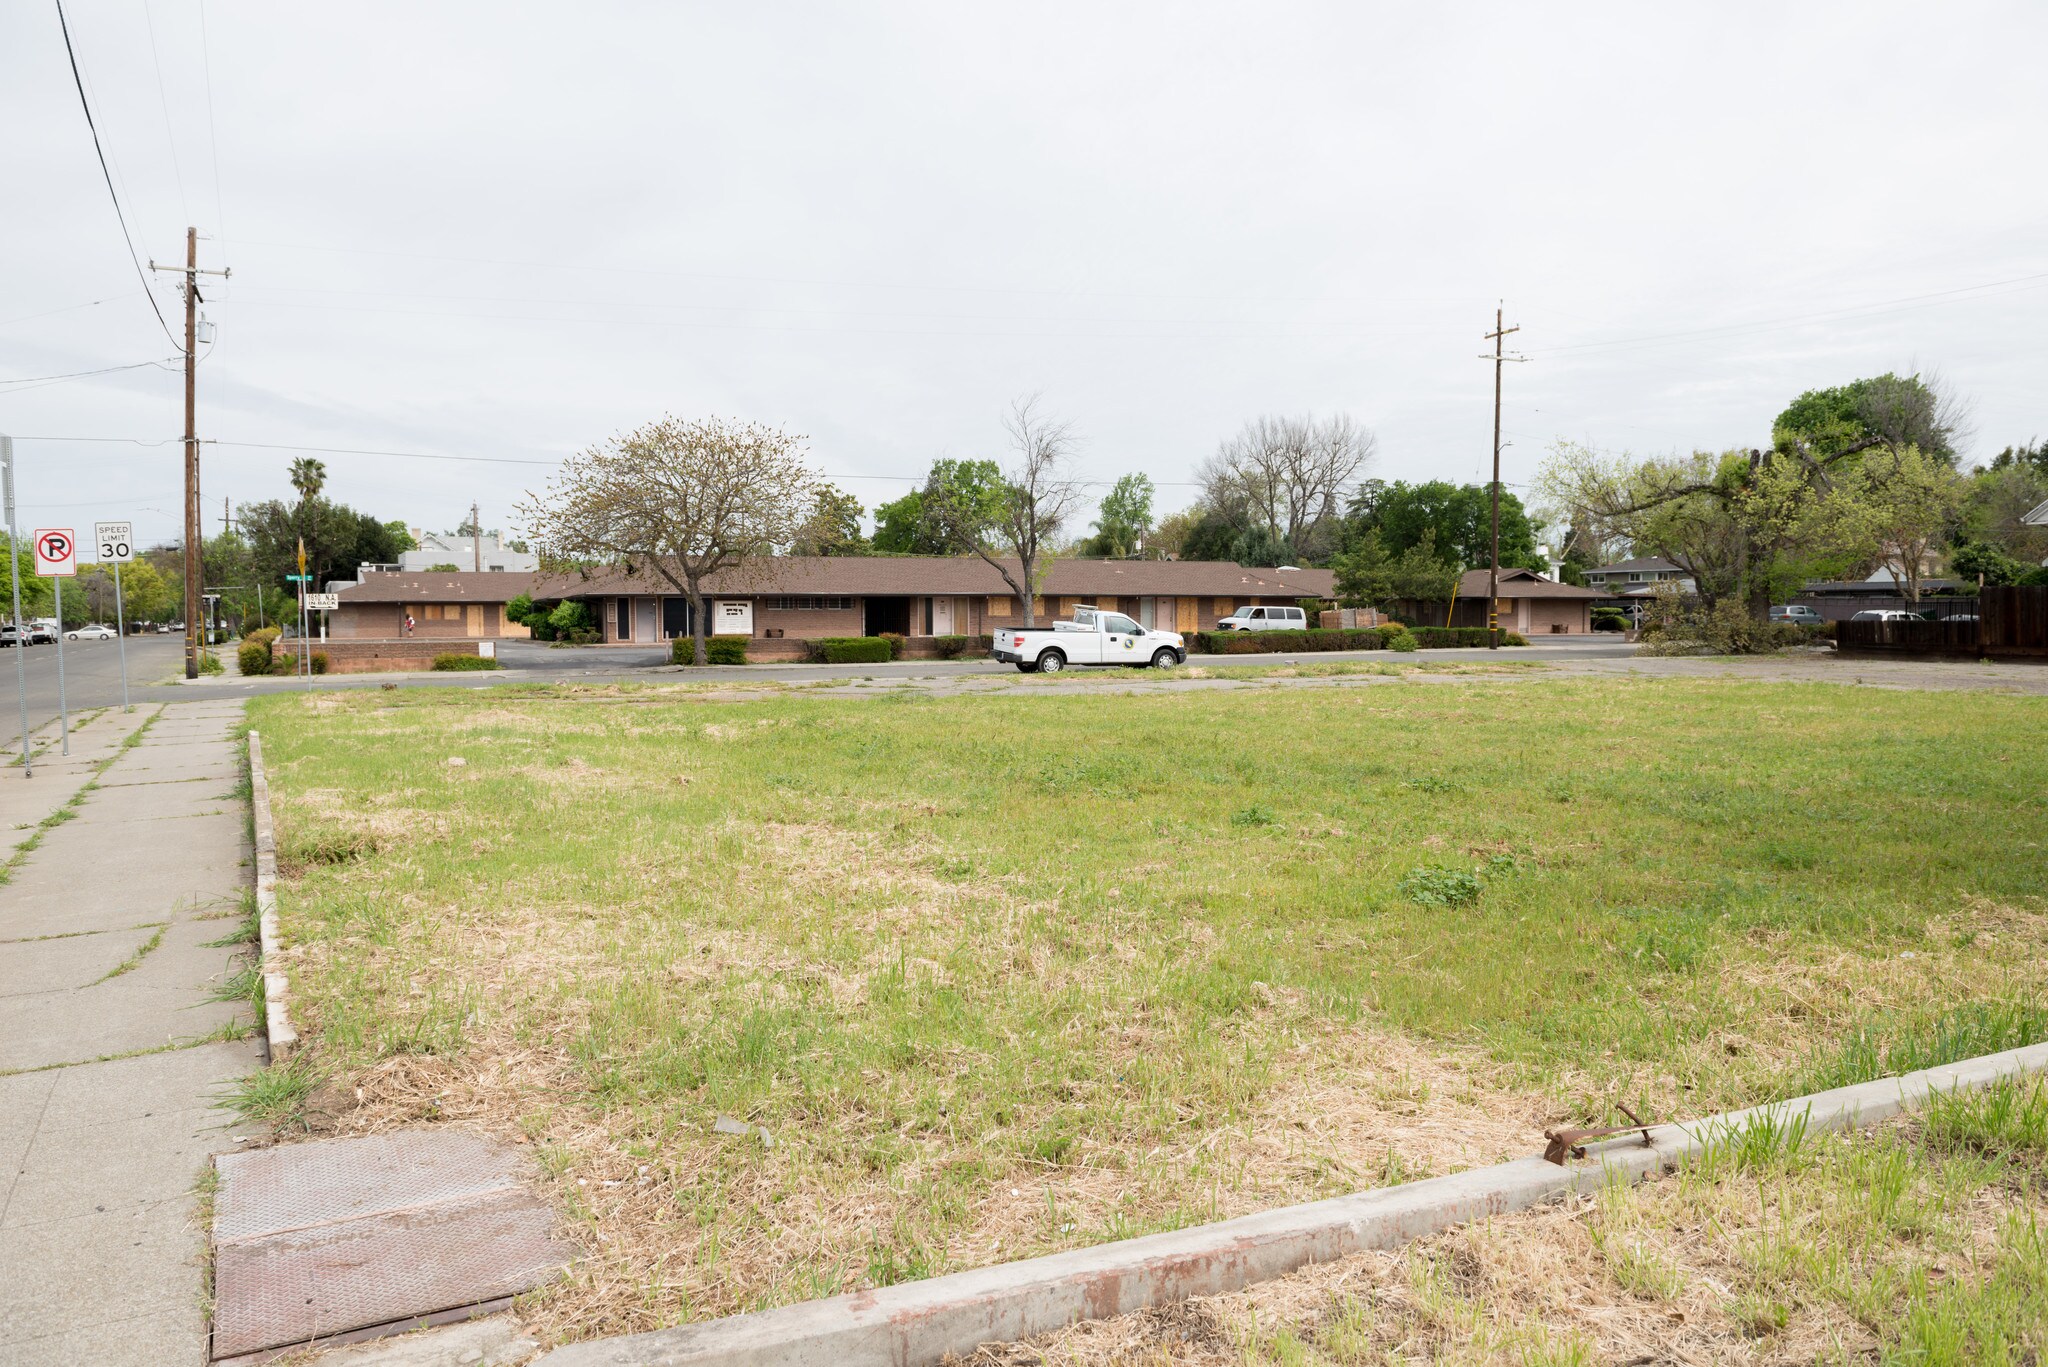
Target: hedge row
x: 852, y: 650
x: 718, y: 650
x: 1444, y: 638
x: 1271, y: 642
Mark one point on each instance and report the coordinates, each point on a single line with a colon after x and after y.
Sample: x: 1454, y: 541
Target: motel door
x: 942, y: 617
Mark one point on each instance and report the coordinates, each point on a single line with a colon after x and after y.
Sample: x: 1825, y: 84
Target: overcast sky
x: 510, y: 230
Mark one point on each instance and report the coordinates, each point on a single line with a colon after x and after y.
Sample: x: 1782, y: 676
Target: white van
x: 1265, y: 619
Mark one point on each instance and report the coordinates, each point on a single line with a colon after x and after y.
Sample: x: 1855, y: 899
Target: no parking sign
x: 56, y: 551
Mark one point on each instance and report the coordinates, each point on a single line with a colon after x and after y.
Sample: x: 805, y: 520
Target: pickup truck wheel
x: 1052, y: 662
x: 1164, y: 659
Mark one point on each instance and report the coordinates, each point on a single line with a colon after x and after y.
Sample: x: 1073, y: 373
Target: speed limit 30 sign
x: 116, y: 541
x: 56, y: 551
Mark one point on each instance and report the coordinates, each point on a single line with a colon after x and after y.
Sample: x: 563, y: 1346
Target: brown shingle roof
x: 884, y: 575
x: 1520, y: 583
x: 489, y: 586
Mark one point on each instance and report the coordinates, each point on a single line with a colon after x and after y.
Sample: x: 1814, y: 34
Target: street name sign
x: 116, y: 541
x: 56, y: 551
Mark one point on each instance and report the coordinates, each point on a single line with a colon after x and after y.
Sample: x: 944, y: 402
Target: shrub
x: 1609, y: 619
x: 1398, y: 638
x: 264, y: 635
x: 718, y: 650
x: 569, y: 620
x: 951, y: 647
x: 254, y: 657
x: 1679, y: 628
x: 519, y: 609
x: 320, y: 661
x: 452, y: 661
x: 851, y: 650
x: 1449, y: 638
x: 895, y: 640
x: 1513, y: 638
x: 209, y: 663
x: 1271, y: 642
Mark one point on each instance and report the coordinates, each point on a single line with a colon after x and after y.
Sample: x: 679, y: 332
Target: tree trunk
x: 1030, y: 615
x: 698, y: 624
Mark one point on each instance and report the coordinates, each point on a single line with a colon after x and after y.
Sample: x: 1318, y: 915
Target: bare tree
x: 1288, y: 475
x: 690, y: 499
x: 978, y: 508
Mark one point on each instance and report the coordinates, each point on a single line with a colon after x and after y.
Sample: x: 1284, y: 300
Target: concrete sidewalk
x: 128, y: 859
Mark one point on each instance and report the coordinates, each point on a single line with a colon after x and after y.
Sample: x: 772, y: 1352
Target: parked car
x: 1886, y: 615
x: 1796, y: 613
x: 1093, y: 637
x: 10, y: 634
x: 1265, y: 619
x: 91, y: 631
x: 165, y: 628
x: 42, y: 632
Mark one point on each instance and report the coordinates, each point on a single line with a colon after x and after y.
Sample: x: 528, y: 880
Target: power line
x: 1794, y: 320
x: 101, y: 153
x: 164, y: 100
x: 81, y: 374
x: 68, y: 308
x: 220, y: 219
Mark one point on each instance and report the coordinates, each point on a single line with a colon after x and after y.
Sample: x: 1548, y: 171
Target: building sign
x: 732, y: 617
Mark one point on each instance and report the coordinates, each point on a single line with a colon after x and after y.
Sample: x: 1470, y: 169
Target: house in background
x: 464, y: 553
x: 1640, y: 577
x: 442, y: 606
x: 1531, y: 603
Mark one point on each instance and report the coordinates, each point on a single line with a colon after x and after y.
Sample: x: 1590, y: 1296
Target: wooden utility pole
x: 1500, y: 359
x: 476, y: 535
x: 195, y: 534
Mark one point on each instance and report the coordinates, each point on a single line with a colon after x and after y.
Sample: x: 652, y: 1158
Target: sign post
x: 28, y: 764
x: 57, y: 557
x: 305, y: 649
x: 117, y: 547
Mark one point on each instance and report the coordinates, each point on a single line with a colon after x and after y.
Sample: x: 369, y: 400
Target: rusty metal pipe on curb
x: 914, y: 1324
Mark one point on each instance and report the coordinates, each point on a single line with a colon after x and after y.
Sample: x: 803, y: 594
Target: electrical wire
x: 220, y: 218
x: 81, y: 374
x: 68, y: 308
x: 101, y: 153
x: 164, y: 101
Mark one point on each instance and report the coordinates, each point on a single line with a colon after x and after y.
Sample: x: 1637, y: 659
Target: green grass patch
x: 1097, y: 947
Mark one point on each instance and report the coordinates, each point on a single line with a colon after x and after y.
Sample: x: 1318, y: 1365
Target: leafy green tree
x: 401, y: 535
x: 1368, y: 575
x: 1124, y: 519
x: 2034, y: 456
x: 900, y: 528
x: 338, y: 540
x: 36, y: 591
x: 1980, y: 562
x: 1888, y: 410
x: 833, y: 527
x: 1212, y: 537
x: 1458, y: 518
x: 1902, y: 501
x: 1260, y: 547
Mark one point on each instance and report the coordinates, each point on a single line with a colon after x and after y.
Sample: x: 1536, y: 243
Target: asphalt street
x: 92, y: 676
x: 528, y: 662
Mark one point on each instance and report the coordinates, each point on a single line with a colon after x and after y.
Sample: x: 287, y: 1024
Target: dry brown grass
x: 1684, y: 1270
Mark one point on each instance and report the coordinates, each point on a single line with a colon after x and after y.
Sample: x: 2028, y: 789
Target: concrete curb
x: 918, y: 1323
x: 280, y: 1038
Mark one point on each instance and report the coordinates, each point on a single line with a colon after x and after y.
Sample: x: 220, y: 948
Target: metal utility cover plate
x: 317, y: 1239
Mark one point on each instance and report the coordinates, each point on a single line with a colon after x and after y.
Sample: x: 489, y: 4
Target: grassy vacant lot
x: 1013, y: 972
x: 1922, y: 1243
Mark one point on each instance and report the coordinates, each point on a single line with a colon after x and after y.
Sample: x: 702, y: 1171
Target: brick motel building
x: 781, y: 604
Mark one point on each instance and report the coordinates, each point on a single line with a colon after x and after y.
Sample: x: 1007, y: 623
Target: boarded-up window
x: 1000, y: 604
x: 1038, y: 607
x: 1109, y: 603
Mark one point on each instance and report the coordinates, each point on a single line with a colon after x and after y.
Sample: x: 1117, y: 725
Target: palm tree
x: 308, y: 476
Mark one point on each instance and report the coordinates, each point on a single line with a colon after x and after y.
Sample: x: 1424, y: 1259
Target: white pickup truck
x: 1094, y: 637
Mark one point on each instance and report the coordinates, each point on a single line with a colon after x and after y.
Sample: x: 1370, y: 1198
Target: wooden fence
x: 2010, y: 622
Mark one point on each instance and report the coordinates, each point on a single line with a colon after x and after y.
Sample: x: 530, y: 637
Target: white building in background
x: 462, y: 553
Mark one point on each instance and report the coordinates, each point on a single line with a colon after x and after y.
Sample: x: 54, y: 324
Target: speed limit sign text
x: 56, y: 551
x: 116, y: 542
